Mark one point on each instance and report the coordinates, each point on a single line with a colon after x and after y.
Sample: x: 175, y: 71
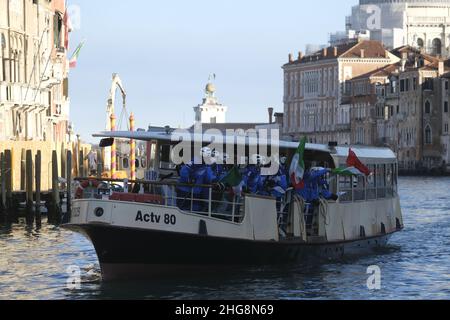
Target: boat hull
x: 130, y: 253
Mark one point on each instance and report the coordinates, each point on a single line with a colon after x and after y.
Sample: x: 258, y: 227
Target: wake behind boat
x: 165, y: 225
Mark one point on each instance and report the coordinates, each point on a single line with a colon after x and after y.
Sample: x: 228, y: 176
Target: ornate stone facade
x: 34, y: 102
x: 419, y: 23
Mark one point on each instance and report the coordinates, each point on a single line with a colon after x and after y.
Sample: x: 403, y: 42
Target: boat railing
x: 210, y: 201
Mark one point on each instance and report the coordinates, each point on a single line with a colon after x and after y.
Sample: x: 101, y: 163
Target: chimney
x: 363, y: 53
x: 325, y: 52
x: 335, y: 49
x: 270, y: 115
x: 441, y: 68
x: 291, y: 58
x: 300, y: 55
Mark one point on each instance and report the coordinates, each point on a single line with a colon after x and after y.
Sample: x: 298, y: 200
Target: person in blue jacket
x: 253, y: 180
x: 276, y: 186
x: 324, y: 190
x: 219, y: 164
x: 195, y: 174
x: 312, y: 179
x: 283, y: 166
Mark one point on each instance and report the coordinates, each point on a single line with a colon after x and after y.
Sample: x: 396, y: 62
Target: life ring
x: 85, y: 184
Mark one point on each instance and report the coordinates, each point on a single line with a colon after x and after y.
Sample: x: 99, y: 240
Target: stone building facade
x: 423, y: 24
x: 34, y: 97
x: 445, y: 139
x: 403, y: 109
x: 316, y: 88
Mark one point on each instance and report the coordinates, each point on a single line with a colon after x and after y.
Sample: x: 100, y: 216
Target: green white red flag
x: 353, y: 161
x: 234, y: 180
x: 350, y: 171
x: 297, y: 170
x: 73, y: 60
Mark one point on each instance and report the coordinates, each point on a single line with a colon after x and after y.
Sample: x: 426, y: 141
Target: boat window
x: 390, y: 180
x: 395, y: 179
x: 345, y: 187
x: 143, y: 163
x: 151, y: 154
x: 165, y: 161
x: 372, y: 183
x: 359, y: 188
x: 136, y: 163
x: 165, y: 153
x: 381, y: 181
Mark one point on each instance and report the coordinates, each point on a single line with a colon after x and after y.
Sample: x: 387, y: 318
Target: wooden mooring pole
x: 55, y: 206
x: 38, y: 173
x: 9, y: 178
x: 29, y: 187
x: 69, y: 185
x: 22, y: 169
x: 3, y: 187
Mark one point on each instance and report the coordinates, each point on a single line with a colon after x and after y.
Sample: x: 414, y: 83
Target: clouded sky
x: 165, y: 50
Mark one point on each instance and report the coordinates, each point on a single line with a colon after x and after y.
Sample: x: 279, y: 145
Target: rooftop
x: 364, y: 49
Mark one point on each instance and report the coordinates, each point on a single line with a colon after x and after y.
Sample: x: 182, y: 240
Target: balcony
x: 20, y: 94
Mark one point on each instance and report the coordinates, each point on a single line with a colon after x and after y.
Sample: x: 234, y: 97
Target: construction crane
x: 116, y: 84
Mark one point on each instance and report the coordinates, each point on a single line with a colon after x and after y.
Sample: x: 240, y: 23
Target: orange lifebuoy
x: 85, y: 184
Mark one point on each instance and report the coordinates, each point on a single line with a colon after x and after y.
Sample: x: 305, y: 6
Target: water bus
x: 145, y: 234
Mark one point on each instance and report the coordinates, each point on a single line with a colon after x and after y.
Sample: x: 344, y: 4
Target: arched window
x: 437, y: 46
x: 427, y: 107
x: 420, y: 43
x: 428, y: 135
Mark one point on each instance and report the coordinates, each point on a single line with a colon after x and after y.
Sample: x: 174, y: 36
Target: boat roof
x: 176, y: 136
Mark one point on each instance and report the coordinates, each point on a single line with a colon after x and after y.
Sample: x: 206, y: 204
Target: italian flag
x: 73, y: 60
x: 353, y: 161
x: 297, y: 170
x: 355, y: 167
x: 234, y: 180
x: 350, y: 171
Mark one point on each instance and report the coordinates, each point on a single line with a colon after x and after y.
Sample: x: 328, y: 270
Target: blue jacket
x: 196, y: 175
x: 279, y: 182
x: 324, y: 189
x: 311, y: 190
x: 219, y: 170
x: 253, y: 180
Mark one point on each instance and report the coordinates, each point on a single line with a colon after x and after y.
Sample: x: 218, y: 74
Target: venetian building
x: 210, y: 111
x: 317, y: 89
x: 445, y: 139
x: 34, y: 103
x: 420, y: 23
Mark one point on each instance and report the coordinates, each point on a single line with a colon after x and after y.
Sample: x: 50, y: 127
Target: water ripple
x: 33, y: 264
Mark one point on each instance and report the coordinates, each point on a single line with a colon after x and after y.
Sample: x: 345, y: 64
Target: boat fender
x: 85, y: 184
x: 202, y: 229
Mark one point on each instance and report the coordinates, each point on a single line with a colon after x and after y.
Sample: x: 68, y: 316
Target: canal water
x: 34, y: 264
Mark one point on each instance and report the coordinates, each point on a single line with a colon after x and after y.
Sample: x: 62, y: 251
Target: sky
x: 164, y: 52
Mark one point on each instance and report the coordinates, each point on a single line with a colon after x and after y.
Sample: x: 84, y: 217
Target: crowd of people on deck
x: 196, y: 177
